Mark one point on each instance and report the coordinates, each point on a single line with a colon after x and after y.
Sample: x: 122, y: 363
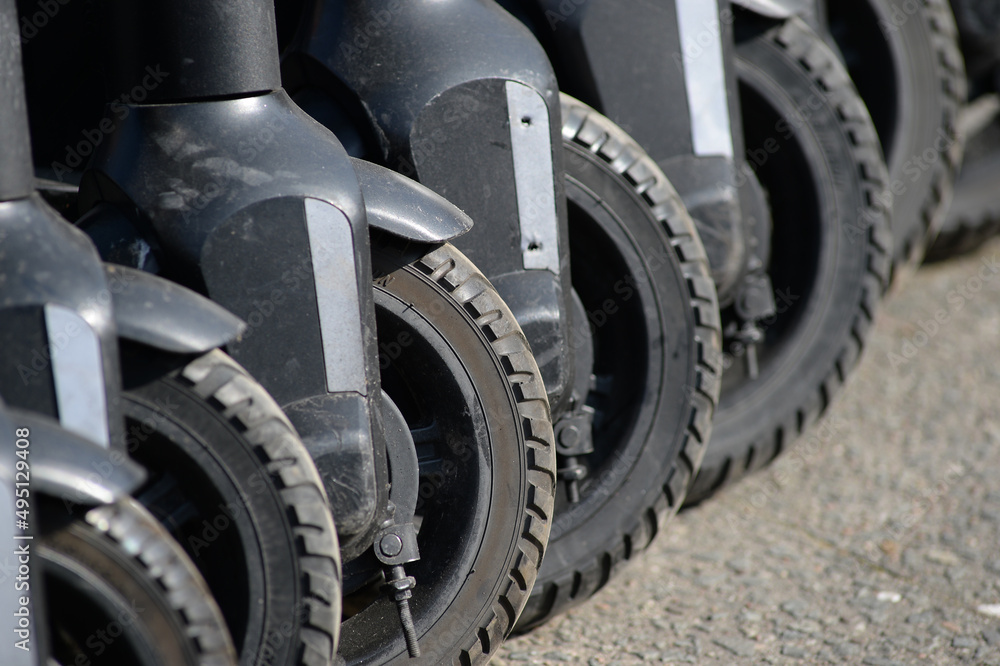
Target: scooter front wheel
x: 120, y: 590
x: 458, y: 366
x: 648, y: 344
x: 975, y: 216
x: 818, y: 158
x: 234, y: 484
x: 908, y: 68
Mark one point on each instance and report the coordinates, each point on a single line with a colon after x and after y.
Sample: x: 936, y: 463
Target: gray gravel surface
x: 876, y: 540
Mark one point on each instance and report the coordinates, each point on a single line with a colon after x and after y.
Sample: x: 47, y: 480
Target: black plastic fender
x: 161, y: 314
x: 149, y: 309
x: 661, y: 73
x: 69, y: 467
x: 405, y: 208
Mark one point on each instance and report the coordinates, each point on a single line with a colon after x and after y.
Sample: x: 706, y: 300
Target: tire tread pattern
x: 244, y: 403
x: 828, y: 74
x: 966, y: 235
x: 587, y: 129
x: 464, y: 283
x: 139, y: 535
x: 950, y: 71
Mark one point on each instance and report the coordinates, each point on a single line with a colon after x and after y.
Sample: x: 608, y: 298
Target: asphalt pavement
x: 876, y: 540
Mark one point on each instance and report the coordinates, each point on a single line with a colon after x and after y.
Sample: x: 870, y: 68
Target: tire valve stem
x: 574, y: 492
x: 401, y: 586
x: 753, y: 369
x: 572, y: 472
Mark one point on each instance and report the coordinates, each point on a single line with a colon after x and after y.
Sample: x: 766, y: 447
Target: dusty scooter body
x: 267, y: 215
x: 79, y: 539
x: 63, y: 310
x: 443, y: 93
x: 269, y: 222
x: 673, y: 91
x: 57, y: 330
x: 463, y: 101
x: 458, y: 96
x: 683, y: 77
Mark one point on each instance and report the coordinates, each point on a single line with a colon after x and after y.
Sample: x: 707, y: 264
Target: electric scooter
x: 579, y: 230
x: 240, y: 195
x: 77, y: 535
x: 750, y: 117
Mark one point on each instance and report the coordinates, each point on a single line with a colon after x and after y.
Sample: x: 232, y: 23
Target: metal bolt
x: 402, y: 584
x: 569, y: 436
x: 390, y: 545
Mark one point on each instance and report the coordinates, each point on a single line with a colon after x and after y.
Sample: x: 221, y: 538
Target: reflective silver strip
x: 705, y: 76
x: 331, y: 245
x: 78, y: 371
x: 531, y: 144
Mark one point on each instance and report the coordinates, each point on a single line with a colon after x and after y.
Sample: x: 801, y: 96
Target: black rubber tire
x: 963, y: 234
x: 979, y: 29
x: 908, y: 68
x: 627, y: 223
x: 234, y: 484
x: 120, y: 590
x: 460, y: 337
x: 974, y: 217
x: 831, y: 245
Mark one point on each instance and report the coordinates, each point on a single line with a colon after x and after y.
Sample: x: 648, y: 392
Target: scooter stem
x: 220, y: 49
x: 16, y: 178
